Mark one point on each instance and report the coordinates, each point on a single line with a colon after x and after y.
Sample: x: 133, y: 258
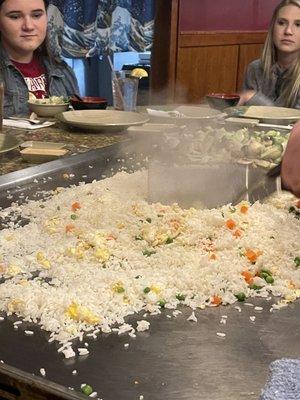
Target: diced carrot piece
x: 298, y: 204
x: 230, y: 223
x: 237, y: 233
x: 70, y: 227
x: 216, y: 300
x: 244, y: 209
x: 111, y: 237
x: 248, y: 277
x: 252, y: 255
x: 212, y: 256
x: 75, y: 206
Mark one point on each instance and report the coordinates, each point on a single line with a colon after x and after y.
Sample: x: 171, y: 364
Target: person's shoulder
x: 255, y: 64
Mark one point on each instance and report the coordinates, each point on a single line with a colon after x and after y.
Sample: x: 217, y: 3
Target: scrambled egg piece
x: 102, y: 254
x: 42, y: 260
x: 15, y: 305
x: 14, y: 270
x: 81, y: 314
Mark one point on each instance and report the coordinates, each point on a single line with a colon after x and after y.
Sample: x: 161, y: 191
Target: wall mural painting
x: 84, y: 28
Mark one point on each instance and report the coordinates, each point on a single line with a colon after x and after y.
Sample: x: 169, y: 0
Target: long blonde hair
x: 269, y: 58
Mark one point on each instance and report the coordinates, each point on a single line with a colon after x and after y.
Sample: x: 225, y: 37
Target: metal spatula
x: 208, y: 185
x: 262, y: 188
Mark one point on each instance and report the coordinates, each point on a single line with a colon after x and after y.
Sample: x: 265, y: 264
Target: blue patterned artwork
x: 84, y: 28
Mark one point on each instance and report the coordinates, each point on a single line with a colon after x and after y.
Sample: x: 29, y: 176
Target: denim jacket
x: 268, y: 93
x: 61, y: 82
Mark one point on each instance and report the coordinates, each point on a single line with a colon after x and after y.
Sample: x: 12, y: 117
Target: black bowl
x: 89, y: 103
x: 222, y: 100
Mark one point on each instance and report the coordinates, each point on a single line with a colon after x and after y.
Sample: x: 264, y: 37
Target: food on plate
x: 49, y: 100
x: 211, y: 144
x: 95, y: 253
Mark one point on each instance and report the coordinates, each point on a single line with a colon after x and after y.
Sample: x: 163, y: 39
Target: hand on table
x: 245, y: 96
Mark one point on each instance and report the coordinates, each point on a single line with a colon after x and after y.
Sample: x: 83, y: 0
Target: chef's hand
x: 290, y: 167
x: 245, y: 96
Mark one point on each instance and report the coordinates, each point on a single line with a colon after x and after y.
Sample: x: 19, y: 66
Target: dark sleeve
x: 253, y: 81
x: 71, y: 83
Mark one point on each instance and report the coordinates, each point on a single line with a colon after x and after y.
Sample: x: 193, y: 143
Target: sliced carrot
x: 230, y: 223
x: 111, y: 237
x: 248, y: 277
x: 252, y: 255
x: 298, y: 204
x: 69, y: 228
x: 76, y: 206
x: 216, y: 300
x: 237, y: 233
x: 244, y: 209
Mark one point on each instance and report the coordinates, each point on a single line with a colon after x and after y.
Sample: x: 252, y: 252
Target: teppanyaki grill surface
x: 175, y: 359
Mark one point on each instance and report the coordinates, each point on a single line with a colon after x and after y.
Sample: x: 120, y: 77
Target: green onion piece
x: 120, y: 289
x: 87, y: 389
x: 139, y: 237
x: 73, y: 216
x: 297, y: 261
x: 162, y: 303
x: 255, y: 287
x: 292, y: 209
x: 149, y: 220
x: 232, y: 210
x: 148, y: 253
x: 169, y: 240
x: 147, y: 290
x: 269, y: 279
x: 240, y: 296
x: 180, y: 297
x: 41, y: 206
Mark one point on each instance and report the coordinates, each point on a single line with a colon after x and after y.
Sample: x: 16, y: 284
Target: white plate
x: 102, y: 120
x: 8, y: 142
x: 280, y: 115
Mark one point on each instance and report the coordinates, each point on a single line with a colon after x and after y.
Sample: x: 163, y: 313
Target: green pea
x: 269, y: 279
x: 180, y: 297
x: 120, y: 289
x: 263, y: 275
x: 241, y: 296
x: 87, y: 389
x: 73, y: 216
x: 266, y: 271
x: 147, y: 290
x: 297, y: 261
x: 162, y: 303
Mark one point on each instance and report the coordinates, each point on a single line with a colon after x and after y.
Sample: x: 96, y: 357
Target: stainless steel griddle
x: 174, y: 360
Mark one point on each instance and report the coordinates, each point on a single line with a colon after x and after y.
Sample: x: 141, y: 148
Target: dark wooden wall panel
x: 201, y: 70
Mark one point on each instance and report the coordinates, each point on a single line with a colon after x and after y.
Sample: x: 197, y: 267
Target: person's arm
x: 290, y: 167
x: 251, y: 93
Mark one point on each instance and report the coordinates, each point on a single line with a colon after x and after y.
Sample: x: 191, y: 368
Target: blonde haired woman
x: 274, y: 79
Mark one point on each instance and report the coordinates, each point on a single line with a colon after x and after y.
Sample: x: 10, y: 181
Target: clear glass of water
x: 124, y: 89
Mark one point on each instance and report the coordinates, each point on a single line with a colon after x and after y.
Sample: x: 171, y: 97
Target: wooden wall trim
x: 164, y: 51
x: 196, y: 39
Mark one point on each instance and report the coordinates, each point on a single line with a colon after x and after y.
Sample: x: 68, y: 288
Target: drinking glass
x: 124, y: 89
